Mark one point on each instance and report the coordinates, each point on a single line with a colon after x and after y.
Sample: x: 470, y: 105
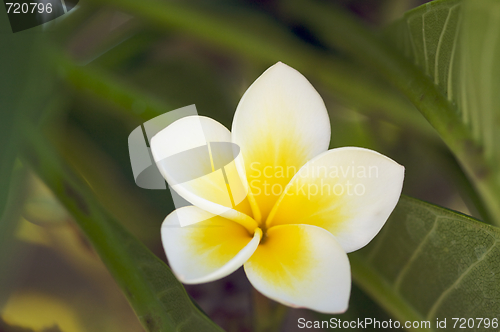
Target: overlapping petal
x: 301, y: 266
x: 280, y: 123
x: 196, y: 157
x: 209, y: 249
x: 348, y: 191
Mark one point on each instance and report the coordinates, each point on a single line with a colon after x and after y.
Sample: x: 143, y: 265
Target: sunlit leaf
x: 40, y: 312
x: 4, y: 327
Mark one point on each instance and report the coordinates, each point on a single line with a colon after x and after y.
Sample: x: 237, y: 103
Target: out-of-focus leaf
x: 8, y: 223
x: 256, y: 37
x: 15, y: 54
x: 67, y: 284
x: 39, y: 312
x: 158, y: 298
x: 119, y: 197
x: 25, y: 85
x: 41, y: 207
x: 107, y: 87
x: 4, y: 327
x: 429, y: 262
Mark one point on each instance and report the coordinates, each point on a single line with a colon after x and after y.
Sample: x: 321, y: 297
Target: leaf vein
x: 424, y: 42
x: 439, y: 45
x: 444, y: 294
x: 452, y: 56
x: 406, y: 267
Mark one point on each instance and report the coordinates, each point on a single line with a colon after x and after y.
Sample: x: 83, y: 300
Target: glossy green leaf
x: 158, y: 298
x: 431, y: 263
x: 457, y: 44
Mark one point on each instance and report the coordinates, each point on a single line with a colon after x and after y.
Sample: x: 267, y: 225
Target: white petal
x: 348, y: 191
x: 302, y: 266
x: 210, y: 249
x: 197, y: 158
x: 281, y: 122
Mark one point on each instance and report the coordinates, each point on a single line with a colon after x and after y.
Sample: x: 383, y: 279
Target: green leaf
x: 15, y: 59
x: 429, y: 262
x: 457, y: 43
x: 107, y: 87
x: 8, y: 224
x: 480, y: 52
x: 435, y: 87
x: 158, y: 298
x: 24, y: 86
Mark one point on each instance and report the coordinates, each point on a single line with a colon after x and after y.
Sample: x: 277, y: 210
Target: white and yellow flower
x: 283, y: 206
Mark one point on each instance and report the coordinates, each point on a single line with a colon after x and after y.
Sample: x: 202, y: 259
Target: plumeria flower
x: 271, y: 197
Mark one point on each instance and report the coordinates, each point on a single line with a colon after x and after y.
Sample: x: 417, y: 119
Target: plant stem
x: 268, y: 315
